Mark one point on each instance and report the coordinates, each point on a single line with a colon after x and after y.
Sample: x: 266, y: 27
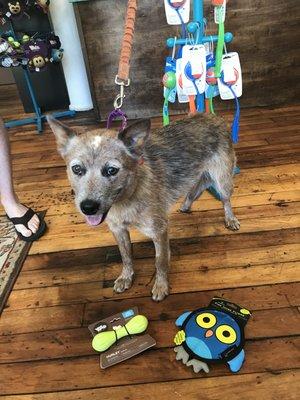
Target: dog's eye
x: 78, y: 170
x: 110, y: 171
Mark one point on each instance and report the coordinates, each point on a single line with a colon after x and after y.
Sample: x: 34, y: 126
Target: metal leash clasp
x: 118, y: 102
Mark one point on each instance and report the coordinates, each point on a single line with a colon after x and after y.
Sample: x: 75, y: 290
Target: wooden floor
x: 66, y: 282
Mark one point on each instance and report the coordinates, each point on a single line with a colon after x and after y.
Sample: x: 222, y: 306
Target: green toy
x: 169, y: 82
x: 105, y: 340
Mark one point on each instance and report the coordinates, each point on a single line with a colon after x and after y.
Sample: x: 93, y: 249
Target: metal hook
x: 119, y: 98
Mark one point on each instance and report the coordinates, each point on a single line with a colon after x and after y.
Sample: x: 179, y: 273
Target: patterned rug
x: 13, y: 252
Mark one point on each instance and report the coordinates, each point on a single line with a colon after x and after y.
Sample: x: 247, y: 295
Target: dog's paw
x: 185, y: 209
x: 160, y: 290
x: 232, y: 224
x: 122, y: 283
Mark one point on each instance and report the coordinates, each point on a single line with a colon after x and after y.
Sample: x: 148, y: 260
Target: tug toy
x: 213, y: 334
x: 169, y: 82
x: 104, y: 340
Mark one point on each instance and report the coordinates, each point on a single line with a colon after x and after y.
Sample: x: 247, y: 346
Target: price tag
x: 232, y: 75
x: 220, y: 13
x: 193, y: 69
x: 175, y: 7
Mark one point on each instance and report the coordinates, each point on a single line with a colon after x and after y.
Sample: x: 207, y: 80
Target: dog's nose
x: 89, y: 207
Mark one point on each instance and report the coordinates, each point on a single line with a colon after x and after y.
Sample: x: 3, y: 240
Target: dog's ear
x: 135, y: 136
x: 62, y: 133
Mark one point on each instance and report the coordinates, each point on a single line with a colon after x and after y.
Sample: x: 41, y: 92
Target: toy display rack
x: 39, y: 118
x: 196, y: 28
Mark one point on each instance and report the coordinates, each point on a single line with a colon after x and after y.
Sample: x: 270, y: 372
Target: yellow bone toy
x: 105, y: 340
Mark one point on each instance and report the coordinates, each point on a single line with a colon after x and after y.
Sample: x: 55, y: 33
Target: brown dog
x: 133, y: 177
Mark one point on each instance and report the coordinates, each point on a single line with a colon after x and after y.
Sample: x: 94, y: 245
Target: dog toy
x: 13, y: 10
x: 169, y: 82
x: 212, y: 334
x: 104, y: 340
x: 37, y: 53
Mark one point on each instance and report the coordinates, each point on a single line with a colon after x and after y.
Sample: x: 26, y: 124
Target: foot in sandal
x: 28, y: 224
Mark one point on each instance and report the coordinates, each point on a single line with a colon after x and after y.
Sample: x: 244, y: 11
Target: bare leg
x: 162, y: 257
x: 124, y: 281
x: 8, y: 197
x: 195, y: 193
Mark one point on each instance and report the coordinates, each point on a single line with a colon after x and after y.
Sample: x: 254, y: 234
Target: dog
x: 132, y: 177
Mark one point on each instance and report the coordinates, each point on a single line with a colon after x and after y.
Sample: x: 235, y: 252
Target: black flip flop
x: 24, y: 221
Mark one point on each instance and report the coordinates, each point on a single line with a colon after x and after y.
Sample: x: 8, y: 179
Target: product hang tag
x: 175, y: 7
x: 182, y: 97
x: 232, y: 75
x: 220, y: 13
x: 193, y: 69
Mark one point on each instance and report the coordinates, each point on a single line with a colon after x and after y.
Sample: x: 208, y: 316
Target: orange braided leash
x: 124, y: 64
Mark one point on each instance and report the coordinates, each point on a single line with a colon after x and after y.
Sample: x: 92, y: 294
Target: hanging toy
x: 8, y: 54
x: 14, y: 9
x: 169, y: 82
x: 104, y: 340
x: 37, y: 53
x: 55, y: 51
x: 213, y: 334
x: 42, y: 5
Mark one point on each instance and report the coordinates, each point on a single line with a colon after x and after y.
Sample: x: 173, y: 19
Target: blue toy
x: 213, y: 334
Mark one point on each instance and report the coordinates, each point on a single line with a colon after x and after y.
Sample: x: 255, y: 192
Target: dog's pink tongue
x: 94, y: 219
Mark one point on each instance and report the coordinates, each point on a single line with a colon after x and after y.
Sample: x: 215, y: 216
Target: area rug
x: 13, y: 252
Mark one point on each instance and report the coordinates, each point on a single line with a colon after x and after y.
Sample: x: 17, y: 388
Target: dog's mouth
x: 95, y: 220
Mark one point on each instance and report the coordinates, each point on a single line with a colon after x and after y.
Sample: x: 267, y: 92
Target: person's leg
x: 8, y: 197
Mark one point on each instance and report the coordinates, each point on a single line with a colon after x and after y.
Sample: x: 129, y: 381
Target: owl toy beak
x: 209, y: 333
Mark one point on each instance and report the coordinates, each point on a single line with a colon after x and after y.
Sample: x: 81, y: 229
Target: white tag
x: 193, y: 69
x: 220, y: 13
x: 8, y: 14
x: 37, y: 69
x: 182, y: 98
x: 231, y: 69
x: 183, y: 7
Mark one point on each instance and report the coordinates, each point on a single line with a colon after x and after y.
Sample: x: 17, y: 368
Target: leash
x: 122, y: 78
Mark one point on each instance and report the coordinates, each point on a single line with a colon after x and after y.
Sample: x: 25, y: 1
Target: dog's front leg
x: 162, y: 258
x: 124, y: 281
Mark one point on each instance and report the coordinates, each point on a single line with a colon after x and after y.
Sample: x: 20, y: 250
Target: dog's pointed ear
x: 135, y: 136
x: 62, y: 133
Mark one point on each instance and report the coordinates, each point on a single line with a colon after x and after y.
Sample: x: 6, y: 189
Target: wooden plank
x: 209, y: 260
x: 75, y: 342
x: 68, y: 232
x: 81, y: 372
x: 203, y: 279
x: 179, y: 247
x: 255, y: 298
x: 40, y: 319
x: 267, y: 385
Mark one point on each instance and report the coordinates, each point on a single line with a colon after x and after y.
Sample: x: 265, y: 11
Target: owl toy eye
x: 206, y: 320
x: 226, y: 334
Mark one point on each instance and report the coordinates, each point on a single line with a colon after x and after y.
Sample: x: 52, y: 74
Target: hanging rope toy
x: 122, y: 78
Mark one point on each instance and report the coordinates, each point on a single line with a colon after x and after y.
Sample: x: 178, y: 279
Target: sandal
x: 24, y: 221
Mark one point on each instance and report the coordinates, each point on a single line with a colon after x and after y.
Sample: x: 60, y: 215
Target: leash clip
x: 118, y: 102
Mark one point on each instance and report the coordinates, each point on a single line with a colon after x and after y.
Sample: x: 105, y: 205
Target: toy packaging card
x: 126, y: 347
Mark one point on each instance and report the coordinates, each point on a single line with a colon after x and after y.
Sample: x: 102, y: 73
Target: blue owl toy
x: 212, y: 334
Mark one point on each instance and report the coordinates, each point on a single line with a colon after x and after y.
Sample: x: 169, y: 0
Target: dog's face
x: 101, y: 165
